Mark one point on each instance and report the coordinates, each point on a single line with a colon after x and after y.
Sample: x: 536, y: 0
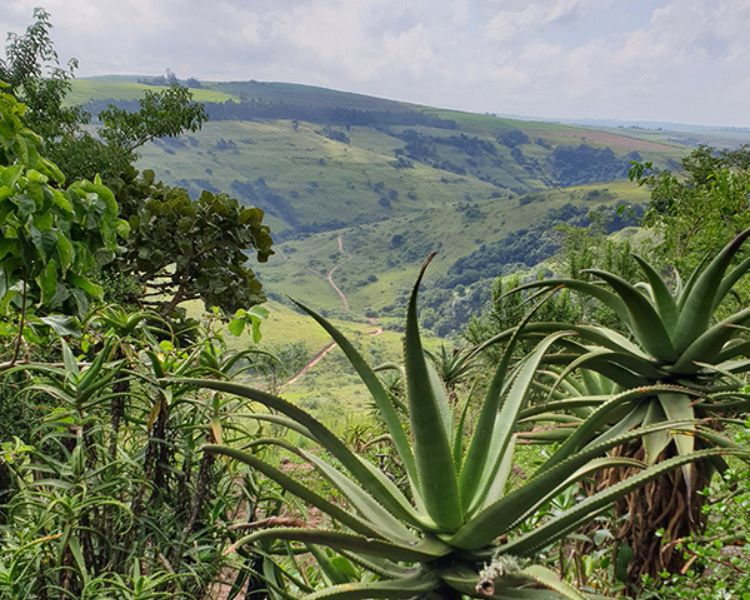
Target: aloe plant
x: 673, y: 337
x: 459, y: 528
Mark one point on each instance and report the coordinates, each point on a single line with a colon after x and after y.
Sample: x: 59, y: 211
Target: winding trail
x: 323, y: 352
x: 310, y: 364
x: 337, y: 289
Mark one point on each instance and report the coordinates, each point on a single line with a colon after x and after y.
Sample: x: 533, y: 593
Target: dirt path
x: 337, y: 289
x: 329, y: 275
x: 321, y: 354
x: 310, y: 364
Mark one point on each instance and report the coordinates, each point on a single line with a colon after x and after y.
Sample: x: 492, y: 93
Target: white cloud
x: 658, y: 59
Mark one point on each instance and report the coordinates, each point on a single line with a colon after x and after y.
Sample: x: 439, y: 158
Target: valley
x: 395, y: 181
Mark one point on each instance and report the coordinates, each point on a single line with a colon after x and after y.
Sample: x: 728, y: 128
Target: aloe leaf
x: 562, y: 405
x: 499, y: 484
x: 623, y: 377
x: 568, y: 520
x: 546, y: 436
x: 466, y: 580
x: 593, y: 382
x: 732, y: 350
x: 645, y: 322
x: 441, y: 397
x: 685, y: 293
x: 404, y: 588
x: 424, y: 551
x: 380, y: 519
x: 432, y: 449
x: 506, y: 418
x: 331, y: 575
x: 377, y: 391
x: 551, y: 417
x: 298, y: 489
x: 665, y: 302
x: 680, y: 406
x: 601, y: 357
x: 284, y: 422
x: 730, y: 280
x: 654, y: 443
x: 708, y: 345
x: 606, y: 297
x: 696, y: 311
x: 380, y: 566
x: 376, y: 484
x: 499, y: 517
x: 602, y: 414
x: 485, y: 432
x: 460, y: 433
x: 551, y: 580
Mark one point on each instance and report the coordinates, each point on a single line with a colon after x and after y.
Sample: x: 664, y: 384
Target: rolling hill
x: 367, y: 187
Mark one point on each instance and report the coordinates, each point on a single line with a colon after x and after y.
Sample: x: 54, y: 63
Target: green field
x: 127, y: 88
x: 427, y: 180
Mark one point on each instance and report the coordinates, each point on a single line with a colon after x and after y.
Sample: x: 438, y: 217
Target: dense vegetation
x: 590, y: 440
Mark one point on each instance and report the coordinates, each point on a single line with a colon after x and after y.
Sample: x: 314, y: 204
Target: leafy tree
x: 180, y: 248
x: 699, y: 210
x: 32, y: 69
x: 54, y: 238
x: 183, y: 249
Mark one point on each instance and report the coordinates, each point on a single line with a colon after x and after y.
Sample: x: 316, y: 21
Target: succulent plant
x: 673, y: 338
x: 460, y: 528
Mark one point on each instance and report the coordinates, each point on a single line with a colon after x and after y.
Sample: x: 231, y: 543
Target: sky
x: 684, y: 61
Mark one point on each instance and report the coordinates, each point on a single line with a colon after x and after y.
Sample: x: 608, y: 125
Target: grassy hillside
x: 370, y: 186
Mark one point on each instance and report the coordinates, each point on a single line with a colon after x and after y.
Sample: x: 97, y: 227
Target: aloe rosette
x: 460, y: 528
x: 672, y: 337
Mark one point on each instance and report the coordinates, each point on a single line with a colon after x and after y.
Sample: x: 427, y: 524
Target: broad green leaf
x: 47, y: 282
x: 432, y: 450
x: 665, y: 302
x: 236, y: 327
x: 92, y: 289
x: 645, y: 322
x: 696, y: 311
x: 379, y: 394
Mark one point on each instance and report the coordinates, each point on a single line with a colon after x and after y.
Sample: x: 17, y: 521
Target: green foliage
x: 183, y: 249
x: 32, y: 70
x: 167, y: 113
x: 701, y: 209
x: 457, y: 480
x: 54, y: 238
x: 110, y: 496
